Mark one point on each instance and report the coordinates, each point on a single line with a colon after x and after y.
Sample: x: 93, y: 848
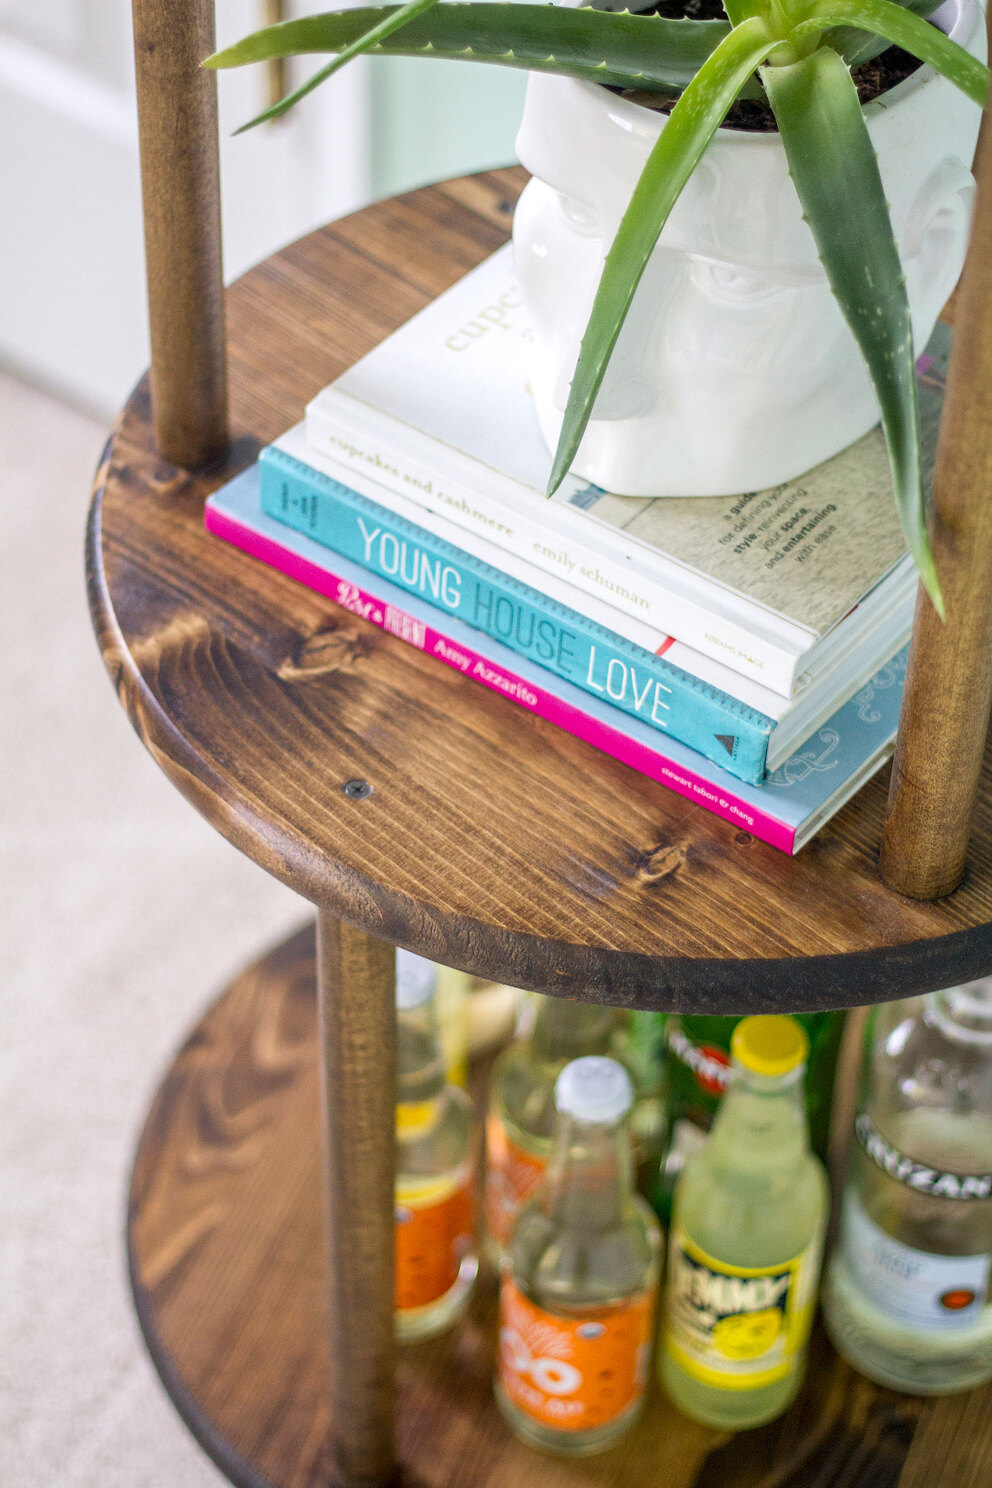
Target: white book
x: 774, y: 584
x: 796, y: 718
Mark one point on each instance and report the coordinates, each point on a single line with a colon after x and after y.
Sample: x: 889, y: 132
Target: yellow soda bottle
x: 436, y: 1260
x: 579, y: 1282
x: 750, y: 1210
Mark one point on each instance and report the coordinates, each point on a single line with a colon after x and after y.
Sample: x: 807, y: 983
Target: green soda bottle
x: 697, y: 1072
x: 579, y: 1282
x: 521, y: 1117
x: 745, y: 1246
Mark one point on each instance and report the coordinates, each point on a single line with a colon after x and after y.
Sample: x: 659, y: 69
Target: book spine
x: 653, y: 763
x: 559, y: 640
x: 446, y: 485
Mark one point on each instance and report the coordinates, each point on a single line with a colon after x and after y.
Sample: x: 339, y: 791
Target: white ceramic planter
x: 735, y: 369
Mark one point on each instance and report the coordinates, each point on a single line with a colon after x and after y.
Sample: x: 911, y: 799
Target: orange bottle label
x: 573, y: 1374
x: 512, y: 1175
x: 433, y: 1234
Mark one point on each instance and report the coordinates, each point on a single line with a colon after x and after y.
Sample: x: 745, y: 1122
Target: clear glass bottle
x: 639, y: 1043
x: 521, y: 1116
x: 749, y: 1215
x: 436, y: 1260
x: 451, y: 1004
x: 907, y: 1293
x: 580, y: 1279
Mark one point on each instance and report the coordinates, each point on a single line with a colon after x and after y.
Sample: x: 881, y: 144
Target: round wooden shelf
x: 490, y: 840
x: 227, y: 1267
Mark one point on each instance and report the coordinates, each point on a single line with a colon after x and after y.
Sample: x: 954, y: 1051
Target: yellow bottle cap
x: 770, y: 1044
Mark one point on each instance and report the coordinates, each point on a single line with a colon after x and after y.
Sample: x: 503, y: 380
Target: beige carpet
x: 123, y: 913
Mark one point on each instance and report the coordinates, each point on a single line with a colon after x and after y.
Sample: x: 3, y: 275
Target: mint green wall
x: 436, y: 119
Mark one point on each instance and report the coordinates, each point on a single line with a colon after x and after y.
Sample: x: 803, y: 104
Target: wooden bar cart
x: 413, y: 808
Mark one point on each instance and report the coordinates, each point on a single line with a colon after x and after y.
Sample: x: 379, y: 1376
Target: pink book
x: 785, y: 810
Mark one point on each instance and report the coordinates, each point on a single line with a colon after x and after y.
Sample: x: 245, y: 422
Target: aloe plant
x: 796, y: 53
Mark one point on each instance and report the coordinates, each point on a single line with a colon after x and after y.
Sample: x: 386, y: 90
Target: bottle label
x: 738, y: 1327
x: 709, y: 1064
x: 915, y: 1174
x: 512, y: 1175
x: 573, y: 1374
x: 433, y: 1235
x: 936, y: 1292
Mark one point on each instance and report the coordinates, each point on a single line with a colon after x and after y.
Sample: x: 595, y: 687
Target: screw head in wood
x: 357, y: 790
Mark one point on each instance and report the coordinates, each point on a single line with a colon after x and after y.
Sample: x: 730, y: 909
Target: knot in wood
x: 331, y: 650
x: 662, y: 862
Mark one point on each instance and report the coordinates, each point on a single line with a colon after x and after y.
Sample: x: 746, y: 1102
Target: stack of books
x: 745, y: 651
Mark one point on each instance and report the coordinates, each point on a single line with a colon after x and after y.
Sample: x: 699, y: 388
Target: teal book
x: 562, y: 641
x: 786, y: 810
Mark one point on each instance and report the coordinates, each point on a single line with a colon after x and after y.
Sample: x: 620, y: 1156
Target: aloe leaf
x: 378, y: 33
x: 742, y: 10
x: 832, y: 162
x: 690, y: 127
x: 629, y: 51
x: 901, y: 28
x: 855, y: 47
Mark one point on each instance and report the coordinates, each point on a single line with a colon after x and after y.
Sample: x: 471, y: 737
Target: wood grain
x: 180, y: 190
x: 945, y: 711
x: 358, y: 1059
x: 227, y: 1266
x: 491, y: 840
x: 953, y: 1445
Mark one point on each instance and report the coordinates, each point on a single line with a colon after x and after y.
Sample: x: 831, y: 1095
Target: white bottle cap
x: 594, y: 1089
x: 414, y: 980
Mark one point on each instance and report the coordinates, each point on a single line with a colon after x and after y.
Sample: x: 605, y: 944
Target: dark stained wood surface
x: 491, y: 840
x: 227, y: 1264
x: 357, y: 1035
x: 180, y: 192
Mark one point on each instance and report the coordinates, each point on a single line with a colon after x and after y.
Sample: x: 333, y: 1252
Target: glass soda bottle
x: 580, y: 1280
x: 744, y: 1252
x: 638, y: 1043
x: 436, y: 1262
x: 907, y: 1293
x: 521, y: 1115
x: 697, y: 1072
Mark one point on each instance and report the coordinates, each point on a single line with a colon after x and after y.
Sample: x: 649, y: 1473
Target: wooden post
x: 180, y: 187
x: 355, y: 980
x: 945, y: 710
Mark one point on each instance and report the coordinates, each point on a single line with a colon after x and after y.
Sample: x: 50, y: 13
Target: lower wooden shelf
x: 227, y: 1268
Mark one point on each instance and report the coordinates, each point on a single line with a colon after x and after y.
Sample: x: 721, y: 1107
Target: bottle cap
x: 594, y: 1089
x: 414, y: 980
x: 770, y: 1044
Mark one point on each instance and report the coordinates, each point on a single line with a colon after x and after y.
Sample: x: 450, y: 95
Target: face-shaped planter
x: 735, y: 369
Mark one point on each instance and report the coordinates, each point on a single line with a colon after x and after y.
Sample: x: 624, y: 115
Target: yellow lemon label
x: 737, y: 1327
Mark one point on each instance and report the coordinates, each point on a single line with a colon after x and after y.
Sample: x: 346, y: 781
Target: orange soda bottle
x: 521, y: 1118
x: 580, y: 1278
x: 436, y: 1259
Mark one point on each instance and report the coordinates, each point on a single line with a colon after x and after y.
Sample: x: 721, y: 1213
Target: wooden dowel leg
x: 355, y: 976
x: 180, y: 188
x: 945, y: 711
